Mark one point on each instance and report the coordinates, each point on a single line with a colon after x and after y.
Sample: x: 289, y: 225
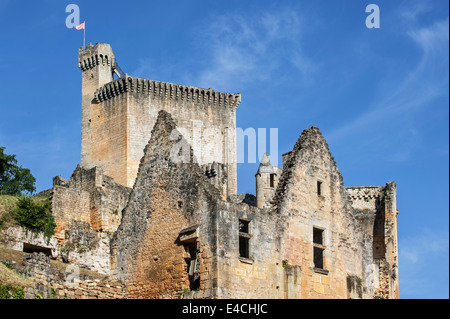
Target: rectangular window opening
x: 244, y: 250
x: 272, y: 180
x: 244, y: 239
x: 243, y: 226
x: 318, y: 236
x: 192, y: 265
x: 318, y: 257
x: 319, y: 248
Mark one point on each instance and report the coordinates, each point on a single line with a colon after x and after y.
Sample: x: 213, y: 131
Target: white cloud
x: 234, y: 50
x: 241, y: 51
x: 413, y: 10
x: 432, y: 39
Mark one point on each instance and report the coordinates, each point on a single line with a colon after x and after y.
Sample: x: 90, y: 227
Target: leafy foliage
x: 13, y: 178
x: 7, y: 291
x: 35, y: 216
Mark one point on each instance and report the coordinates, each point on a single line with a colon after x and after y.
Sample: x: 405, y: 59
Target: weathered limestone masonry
x: 118, y: 115
x: 87, y: 210
x: 148, y: 252
x: 52, y: 283
x: 178, y: 238
x: 312, y: 196
x: 380, y: 204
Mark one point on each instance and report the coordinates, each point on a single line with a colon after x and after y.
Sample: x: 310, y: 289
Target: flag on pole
x: 79, y: 27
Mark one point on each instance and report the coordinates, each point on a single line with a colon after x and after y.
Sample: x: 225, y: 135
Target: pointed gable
x: 169, y: 195
x: 312, y: 156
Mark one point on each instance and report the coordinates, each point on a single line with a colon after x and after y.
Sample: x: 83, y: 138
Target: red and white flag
x: 79, y: 27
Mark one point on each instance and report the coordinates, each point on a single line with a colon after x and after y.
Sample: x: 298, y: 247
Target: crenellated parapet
x: 91, y: 56
x: 164, y: 90
x: 89, y: 62
x: 365, y: 197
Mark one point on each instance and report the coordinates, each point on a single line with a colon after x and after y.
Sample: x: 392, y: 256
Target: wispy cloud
x: 234, y: 51
x: 432, y: 39
x: 414, y: 10
x: 400, y: 98
x: 240, y: 51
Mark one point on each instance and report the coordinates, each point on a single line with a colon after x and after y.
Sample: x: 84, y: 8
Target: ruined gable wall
x: 346, y: 248
x: 167, y: 197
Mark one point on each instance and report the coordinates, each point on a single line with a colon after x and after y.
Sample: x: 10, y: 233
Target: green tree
x: 35, y: 216
x: 13, y: 178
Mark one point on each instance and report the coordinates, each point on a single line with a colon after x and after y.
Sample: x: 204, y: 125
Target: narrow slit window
x: 319, y: 188
x: 272, y: 180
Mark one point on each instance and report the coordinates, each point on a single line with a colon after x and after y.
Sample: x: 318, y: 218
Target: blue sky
x: 379, y: 96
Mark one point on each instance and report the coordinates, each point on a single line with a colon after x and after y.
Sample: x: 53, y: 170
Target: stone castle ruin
x: 169, y: 229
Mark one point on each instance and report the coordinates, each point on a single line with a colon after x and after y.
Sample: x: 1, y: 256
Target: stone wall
x: 53, y: 283
x: 261, y: 272
x: 18, y: 238
x: 87, y: 211
x: 379, y: 202
x: 90, y: 197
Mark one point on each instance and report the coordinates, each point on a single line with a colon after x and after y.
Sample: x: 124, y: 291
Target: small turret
x: 97, y: 63
x: 266, y: 182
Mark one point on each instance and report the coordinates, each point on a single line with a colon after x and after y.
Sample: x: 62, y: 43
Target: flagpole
x: 84, y: 35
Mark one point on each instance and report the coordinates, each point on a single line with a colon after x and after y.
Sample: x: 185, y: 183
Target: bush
x: 34, y: 216
x: 4, y: 291
x: 19, y: 293
x: 7, y: 291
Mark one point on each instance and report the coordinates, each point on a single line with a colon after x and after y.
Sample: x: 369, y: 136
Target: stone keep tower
x: 118, y: 117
